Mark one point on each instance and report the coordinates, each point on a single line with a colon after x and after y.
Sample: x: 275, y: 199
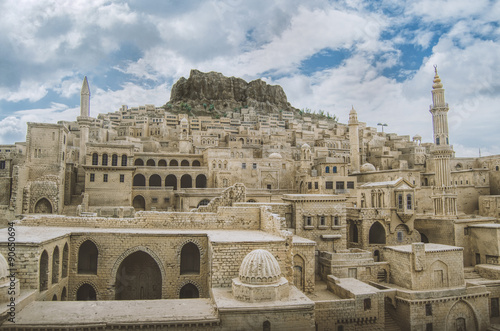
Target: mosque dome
x: 368, y: 167
x: 259, y: 267
x: 4, y: 268
x: 275, y: 156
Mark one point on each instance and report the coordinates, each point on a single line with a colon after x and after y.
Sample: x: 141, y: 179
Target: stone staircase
x: 390, y: 324
x: 471, y: 273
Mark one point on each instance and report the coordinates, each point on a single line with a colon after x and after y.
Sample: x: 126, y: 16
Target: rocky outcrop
x: 228, y: 92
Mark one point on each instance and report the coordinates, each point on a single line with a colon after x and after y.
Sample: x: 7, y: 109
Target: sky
x: 377, y: 56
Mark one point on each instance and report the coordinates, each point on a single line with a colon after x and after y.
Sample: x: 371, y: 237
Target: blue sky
x: 328, y: 55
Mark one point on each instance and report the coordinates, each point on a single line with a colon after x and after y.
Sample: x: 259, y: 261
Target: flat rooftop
x: 40, y: 234
x: 429, y: 248
x: 91, y: 313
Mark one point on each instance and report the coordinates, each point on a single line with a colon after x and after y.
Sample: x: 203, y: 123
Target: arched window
x: 95, y: 159
x: 124, y: 160
x: 43, y: 206
x: 138, y: 162
x: 151, y: 163
x: 185, y: 163
x: 203, y: 202
x: 437, y: 140
x: 155, y: 180
x: 87, y: 258
x: 54, y: 298
x: 409, y: 202
x: 105, y: 159
x: 162, y: 163
x: 114, y: 160
x: 196, y: 163
x: 86, y: 293
x: 65, y: 260
x: 266, y: 326
x: 64, y: 295
x: 334, y: 169
x: 174, y: 163
x: 376, y: 234
x: 186, y: 181
x: 171, y: 181
x: 201, y: 181
x: 190, y: 259
x: 55, y: 265
x: 44, y: 272
x: 327, y: 170
x: 189, y: 291
x: 139, y: 180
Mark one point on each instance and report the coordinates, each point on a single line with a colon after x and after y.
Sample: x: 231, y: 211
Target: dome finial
x: 436, y: 69
x: 437, y: 80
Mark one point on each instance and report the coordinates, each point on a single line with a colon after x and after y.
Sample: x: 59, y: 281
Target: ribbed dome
x: 275, y: 156
x: 4, y: 268
x: 259, y: 267
x: 367, y: 167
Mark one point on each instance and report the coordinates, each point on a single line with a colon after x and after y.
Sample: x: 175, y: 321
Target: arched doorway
x: 139, y: 180
x: 138, y: 278
x: 87, y: 258
x: 43, y: 206
x: 139, y: 203
x: 44, y: 272
x: 189, y: 291
x: 201, y: 181
x: 171, y: 181
x: 186, y: 181
x: 353, y: 233
x: 190, y: 259
x: 298, y: 272
x: 86, y: 293
x: 376, y: 234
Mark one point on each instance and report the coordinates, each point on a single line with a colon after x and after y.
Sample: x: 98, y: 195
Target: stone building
x: 228, y: 209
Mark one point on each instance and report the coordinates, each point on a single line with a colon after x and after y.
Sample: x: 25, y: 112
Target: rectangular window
x: 368, y: 304
x: 428, y: 309
x: 408, y: 201
x: 350, y: 185
x: 339, y: 185
x: 309, y: 185
x: 2, y: 164
x: 243, y: 166
x: 254, y: 165
x: 122, y: 178
x: 315, y: 185
x: 495, y: 311
x: 336, y: 220
x: 322, y: 220
x: 428, y: 327
x: 329, y: 185
x: 154, y: 200
x: 92, y: 177
x: 400, y: 201
x: 308, y: 220
x: 105, y: 178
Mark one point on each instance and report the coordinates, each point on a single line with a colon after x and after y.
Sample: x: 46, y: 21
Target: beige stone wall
x: 489, y: 205
x: 113, y: 248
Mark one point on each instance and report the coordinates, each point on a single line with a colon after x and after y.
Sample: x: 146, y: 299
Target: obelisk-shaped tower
x: 354, y: 140
x: 84, y: 119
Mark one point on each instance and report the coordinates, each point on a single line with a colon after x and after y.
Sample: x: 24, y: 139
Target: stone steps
x: 390, y: 324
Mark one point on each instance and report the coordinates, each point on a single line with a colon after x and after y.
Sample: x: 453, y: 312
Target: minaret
x: 354, y: 140
x: 84, y: 120
x: 85, y: 99
x: 444, y: 196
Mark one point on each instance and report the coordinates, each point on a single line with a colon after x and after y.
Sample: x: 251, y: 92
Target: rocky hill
x: 213, y: 93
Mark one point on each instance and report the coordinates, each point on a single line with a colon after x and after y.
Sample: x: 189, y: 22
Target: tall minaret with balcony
x: 444, y: 196
x: 354, y: 140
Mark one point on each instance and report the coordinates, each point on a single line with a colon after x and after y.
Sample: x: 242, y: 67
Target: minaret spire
x: 439, y: 111
x: 354, y: 140
x: 85, y: 99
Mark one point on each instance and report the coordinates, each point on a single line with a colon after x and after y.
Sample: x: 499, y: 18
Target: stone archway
x: 43, y: 206
x: 461, y: 317
x: 139, y: 203
x: 138, y: 278
x: 377, y: 234
x: 189, y: 291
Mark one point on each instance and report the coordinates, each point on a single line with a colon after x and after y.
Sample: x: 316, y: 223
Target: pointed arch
x: 43, y: 206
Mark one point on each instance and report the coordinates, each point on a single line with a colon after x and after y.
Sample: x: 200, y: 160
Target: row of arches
x: 164, y: 163
x: 63, y: 296
x: 105, y: 159
x: 44, y: 270
x: 138, y: 276
x: 186, y: 181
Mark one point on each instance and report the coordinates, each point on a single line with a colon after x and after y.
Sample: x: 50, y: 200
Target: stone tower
x: 354, y: 140
x: 84, y: 119
x: 444, y: 197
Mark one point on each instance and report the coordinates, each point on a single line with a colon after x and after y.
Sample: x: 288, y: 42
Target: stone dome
x: 368, y: 167
x: 275, y: 156
x: 259, y: 267
x: 4, y: 268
